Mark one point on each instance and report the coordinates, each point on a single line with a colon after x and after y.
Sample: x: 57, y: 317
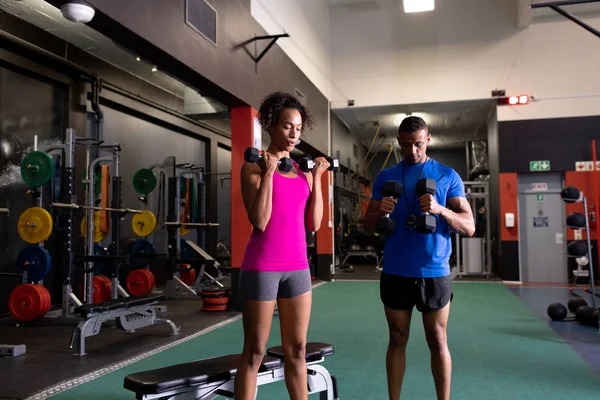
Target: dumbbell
x: 393, y: 189
x: 426, y: 223
x: 252, y: 155
x: 307, y: 164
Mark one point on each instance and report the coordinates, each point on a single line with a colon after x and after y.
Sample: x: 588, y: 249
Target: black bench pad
x: 116, y: 304
x: 314, y: 351
x: 191, y: 374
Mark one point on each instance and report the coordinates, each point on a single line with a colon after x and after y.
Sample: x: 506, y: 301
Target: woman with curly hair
x: 280, y: 206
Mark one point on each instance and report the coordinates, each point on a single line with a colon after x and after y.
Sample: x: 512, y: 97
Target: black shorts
x: 403, y: 293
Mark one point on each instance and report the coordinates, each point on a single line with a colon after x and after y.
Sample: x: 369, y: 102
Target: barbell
x: 192, y: 223
x: 77, y: 206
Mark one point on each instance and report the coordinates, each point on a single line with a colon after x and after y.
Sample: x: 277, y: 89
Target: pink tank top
x: 282, y: 245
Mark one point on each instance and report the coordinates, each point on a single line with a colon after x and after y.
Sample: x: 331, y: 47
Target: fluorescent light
x: 411, y: 6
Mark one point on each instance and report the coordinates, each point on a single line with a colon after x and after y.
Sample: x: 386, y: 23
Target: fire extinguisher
x: 592, y: 217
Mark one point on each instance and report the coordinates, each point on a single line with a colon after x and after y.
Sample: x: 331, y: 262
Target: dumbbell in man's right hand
x: 253, y: 155
x: 391, y: 191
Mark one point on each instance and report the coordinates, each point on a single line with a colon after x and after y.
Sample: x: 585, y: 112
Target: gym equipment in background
x: 101, y: 299
x: 473, y: 255
x: 578, y: 249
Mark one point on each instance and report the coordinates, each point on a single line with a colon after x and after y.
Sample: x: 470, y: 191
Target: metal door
x: 542, y: 246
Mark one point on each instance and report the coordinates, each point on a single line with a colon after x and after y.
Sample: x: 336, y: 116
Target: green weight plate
x: 37, y: 168
x: 144, y: 181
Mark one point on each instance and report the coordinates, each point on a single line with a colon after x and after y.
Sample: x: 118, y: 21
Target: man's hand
x: 428, y: 204
x: 387, y: 205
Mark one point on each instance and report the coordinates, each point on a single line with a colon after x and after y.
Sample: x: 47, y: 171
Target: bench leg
x: 86, y: 328
x: 319, y: 381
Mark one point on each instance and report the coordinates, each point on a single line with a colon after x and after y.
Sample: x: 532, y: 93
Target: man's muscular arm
x: 459, y: 216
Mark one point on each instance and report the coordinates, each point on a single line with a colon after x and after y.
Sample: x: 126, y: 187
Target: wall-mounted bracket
x: 272, y: 38
x: 556, y: 6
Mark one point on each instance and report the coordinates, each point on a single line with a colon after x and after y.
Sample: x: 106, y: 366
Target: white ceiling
x: 450, y: 124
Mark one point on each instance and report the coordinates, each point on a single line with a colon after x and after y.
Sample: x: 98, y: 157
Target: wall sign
x: 539, y: 187
x: 540, y: 165
x: 540, y: 222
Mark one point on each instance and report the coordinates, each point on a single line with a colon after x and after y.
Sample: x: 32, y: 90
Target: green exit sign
x: 541, y: 165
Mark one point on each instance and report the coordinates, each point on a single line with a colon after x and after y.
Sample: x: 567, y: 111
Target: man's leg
x: 395, y: 358
x: 436, y: 310
x: 397, y: 295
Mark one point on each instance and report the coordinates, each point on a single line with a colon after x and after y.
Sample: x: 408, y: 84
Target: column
x: 245, y: 132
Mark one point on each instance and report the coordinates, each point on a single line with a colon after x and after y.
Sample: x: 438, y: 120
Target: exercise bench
x: 130, y: 313
x: 208, y: 378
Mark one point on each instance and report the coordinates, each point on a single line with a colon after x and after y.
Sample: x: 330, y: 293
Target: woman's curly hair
x: 271, y: 108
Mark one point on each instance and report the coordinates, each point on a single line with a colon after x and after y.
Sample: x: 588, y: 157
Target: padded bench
x: 208, y: 378
x: 130, y: 313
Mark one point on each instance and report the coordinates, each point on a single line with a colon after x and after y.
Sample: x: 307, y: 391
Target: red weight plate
x: 152, y: 280
x: 47, y: 300
x: 106, y: 285
x: 188, y: 276
x: 214, y: 308
x: 138, y: 282
x: 26, y: 303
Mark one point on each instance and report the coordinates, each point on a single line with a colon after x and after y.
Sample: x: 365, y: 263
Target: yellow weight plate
x: 184, y: 230
x: 143, y: 224
x: 35, y: 225
x: 98, y: 234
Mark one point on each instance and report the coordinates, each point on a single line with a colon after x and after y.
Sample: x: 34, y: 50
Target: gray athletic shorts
x: 262, y: 285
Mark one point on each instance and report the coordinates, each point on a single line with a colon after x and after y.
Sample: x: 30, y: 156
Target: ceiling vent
x: 203, y: 18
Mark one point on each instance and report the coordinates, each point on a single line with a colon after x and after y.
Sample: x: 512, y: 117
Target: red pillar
x: 324, y: 240
x: 245, y: 132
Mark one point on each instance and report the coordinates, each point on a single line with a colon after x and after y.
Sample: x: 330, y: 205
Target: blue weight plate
x: 141, y: 246
x: 36, y: 261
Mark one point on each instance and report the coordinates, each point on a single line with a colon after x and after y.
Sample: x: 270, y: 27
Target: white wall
x: 461, y: 51
x: 307, y: 23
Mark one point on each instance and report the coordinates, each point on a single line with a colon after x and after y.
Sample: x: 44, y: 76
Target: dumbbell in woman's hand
x: 253, y: 155
x: 307, y: 164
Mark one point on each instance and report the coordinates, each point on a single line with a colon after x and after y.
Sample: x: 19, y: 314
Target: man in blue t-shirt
x: 415, y: 265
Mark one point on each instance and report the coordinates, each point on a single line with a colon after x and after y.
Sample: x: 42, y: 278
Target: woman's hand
x: 268, y: 163
x: 321, y: 166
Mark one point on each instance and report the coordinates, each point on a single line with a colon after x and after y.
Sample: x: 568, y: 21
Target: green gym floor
x: 500, y: 348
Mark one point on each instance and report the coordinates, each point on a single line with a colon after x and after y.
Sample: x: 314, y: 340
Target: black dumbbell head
x: 392, y: 189
x: 306, y: 164
x: 385, y: 226
x: 285, y: 164
x: 426, y: 186
x: 334, y: 164
x: 251, y: 155
x: 426, y: 224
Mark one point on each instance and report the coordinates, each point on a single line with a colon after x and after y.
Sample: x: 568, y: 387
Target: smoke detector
x: 77, y: 11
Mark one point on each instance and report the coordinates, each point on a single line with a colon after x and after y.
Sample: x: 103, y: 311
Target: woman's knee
x: 295, y: 351
x: 254, y: 353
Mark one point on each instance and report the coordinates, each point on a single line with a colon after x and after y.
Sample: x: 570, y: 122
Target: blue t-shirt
x: 408, y: 252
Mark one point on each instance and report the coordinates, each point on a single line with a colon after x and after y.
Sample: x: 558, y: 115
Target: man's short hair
x: 412, y: 124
